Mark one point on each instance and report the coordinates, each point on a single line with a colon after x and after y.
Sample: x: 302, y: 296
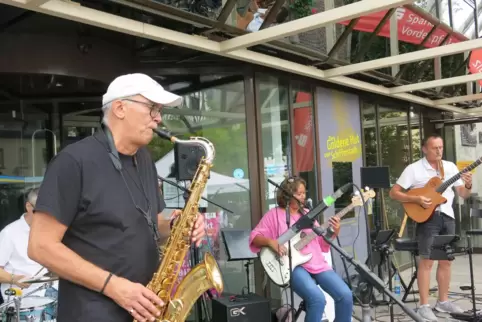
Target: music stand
x: 237, y: 248
x: 376, y: 178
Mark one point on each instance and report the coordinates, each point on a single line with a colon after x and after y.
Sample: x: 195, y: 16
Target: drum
x: 38, y: 309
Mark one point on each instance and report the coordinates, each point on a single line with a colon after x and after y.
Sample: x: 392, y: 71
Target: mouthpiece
x: 164, y: 134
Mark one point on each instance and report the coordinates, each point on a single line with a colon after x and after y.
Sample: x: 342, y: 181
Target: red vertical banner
x: 303, y: 132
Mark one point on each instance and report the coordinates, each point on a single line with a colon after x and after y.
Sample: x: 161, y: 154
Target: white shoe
x: 427, y: 314
x: 448, y: 307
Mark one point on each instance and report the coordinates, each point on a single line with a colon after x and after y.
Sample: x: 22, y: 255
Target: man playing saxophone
x: 97, y: 221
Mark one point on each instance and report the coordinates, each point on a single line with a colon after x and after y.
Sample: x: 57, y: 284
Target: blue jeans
x: 306, y: 286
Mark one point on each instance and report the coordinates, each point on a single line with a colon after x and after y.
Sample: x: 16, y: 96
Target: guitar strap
x: 441, y: 170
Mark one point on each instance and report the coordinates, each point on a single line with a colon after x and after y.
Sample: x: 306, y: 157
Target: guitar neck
x: 456, y: 177
x: 308, y: 238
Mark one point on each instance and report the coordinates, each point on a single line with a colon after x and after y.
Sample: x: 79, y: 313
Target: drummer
x: 14, y: 261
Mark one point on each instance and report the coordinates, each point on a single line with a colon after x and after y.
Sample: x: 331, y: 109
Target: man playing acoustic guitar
x: 442, y: 222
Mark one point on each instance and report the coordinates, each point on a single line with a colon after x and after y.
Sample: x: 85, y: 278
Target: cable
x: 369, y: 250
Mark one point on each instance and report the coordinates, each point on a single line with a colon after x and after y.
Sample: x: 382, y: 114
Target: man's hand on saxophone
x: 134, y: 298
x: 199, y: 229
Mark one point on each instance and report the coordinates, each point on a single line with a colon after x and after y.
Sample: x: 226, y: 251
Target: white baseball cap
x: 140, y: 84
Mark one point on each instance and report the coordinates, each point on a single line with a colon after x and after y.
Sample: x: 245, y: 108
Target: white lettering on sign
x: 301, y: 139
x: 414, y: 33
x: 400, y: 13
x: 477, y: 65
x: 417, y: 20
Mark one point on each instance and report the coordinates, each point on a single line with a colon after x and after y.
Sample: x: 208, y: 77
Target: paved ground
x: 460, y: 277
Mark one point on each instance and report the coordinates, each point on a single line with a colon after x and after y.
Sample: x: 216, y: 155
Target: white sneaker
x: 426, y: 313
x: 447, y: 307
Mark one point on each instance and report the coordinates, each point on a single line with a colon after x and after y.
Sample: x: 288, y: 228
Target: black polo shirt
x: 83, y: 190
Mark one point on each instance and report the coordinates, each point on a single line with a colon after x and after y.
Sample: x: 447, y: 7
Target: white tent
x: 217, y: 183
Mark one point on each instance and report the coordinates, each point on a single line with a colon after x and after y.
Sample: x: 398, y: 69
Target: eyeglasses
x: 155, y: 111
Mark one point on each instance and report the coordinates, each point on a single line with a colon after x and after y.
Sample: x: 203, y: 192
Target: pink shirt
x: 273, y: 225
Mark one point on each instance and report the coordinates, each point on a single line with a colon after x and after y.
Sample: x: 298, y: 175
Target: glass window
x: 218, y: 114
x: 416, y: 151
x: 274, y: 106
x: 369, y: 125
x: 415, y: 132
x: 304, y: 137
x: 22, y: 162
x: 468, y: 146
x: 395, y: 153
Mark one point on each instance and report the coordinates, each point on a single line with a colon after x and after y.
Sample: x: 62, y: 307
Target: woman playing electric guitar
x: 304, y: 278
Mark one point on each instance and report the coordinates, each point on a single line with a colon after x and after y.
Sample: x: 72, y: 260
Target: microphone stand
x: 288, y: 197
x: 185, y: 190
x: 370, y: 277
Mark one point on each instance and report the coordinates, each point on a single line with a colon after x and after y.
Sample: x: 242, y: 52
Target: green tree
x: 230, y: 144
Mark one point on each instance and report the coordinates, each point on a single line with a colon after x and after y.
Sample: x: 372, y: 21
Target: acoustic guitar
x: 433, y: 190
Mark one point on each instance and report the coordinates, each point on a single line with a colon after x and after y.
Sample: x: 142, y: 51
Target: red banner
x: 412, y: 28
x: 303, y: 128
x: 475, y: 62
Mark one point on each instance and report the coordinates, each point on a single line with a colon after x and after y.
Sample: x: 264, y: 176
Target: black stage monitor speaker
x: 186, y: 159
x: 241, y: 308
x: 375, y: 177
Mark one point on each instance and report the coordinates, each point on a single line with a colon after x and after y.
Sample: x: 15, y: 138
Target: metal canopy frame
x: 244, y: 46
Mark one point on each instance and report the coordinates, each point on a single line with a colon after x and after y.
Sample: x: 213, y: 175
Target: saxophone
x: 205, y: 275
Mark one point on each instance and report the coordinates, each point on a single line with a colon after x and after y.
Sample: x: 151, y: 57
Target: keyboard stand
x: 409, y: 245
x: 472, y: 315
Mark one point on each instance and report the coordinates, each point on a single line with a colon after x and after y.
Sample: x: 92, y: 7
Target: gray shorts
x: 438, y: 224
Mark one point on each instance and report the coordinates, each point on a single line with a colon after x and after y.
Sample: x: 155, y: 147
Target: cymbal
x: 40, y: 279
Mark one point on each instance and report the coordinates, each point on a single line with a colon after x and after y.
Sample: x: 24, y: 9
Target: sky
x: 461, y: 11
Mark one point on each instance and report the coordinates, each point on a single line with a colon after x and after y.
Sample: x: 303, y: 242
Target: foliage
x: 301, y: 8
x: 380, y: 48
x: 230, y: 144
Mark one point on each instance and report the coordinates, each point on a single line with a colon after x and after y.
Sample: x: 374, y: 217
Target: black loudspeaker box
x: 241, y: 308
x: 187, y: 156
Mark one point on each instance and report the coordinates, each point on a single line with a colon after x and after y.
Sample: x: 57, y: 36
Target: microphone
x: 306, y: 221
x: 309, y: 203
x: 13, y: 291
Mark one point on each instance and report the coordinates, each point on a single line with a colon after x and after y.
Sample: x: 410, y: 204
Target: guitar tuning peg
x: 367, y: 188
x: 356, y: 193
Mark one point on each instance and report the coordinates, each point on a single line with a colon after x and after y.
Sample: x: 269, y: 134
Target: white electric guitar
x: 278, y: 269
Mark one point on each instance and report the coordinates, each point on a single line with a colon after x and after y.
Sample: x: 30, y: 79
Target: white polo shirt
x: 13, y: 255
x: 417, y: 174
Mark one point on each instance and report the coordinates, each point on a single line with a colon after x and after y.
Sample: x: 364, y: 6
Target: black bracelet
x: 105, y: 283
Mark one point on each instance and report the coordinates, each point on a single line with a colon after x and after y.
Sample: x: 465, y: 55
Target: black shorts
x: 438, y: 224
